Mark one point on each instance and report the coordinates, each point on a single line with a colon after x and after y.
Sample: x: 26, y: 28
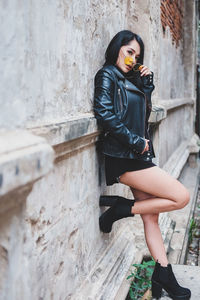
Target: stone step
x: 190, y: 178
x: 187, y: 276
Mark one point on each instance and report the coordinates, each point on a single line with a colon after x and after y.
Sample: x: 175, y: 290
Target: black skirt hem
x: 115, y: 167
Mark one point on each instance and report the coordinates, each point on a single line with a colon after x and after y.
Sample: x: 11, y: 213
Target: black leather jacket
x: 122, y: 110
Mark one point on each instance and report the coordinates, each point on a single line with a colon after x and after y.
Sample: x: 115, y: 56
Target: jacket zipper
x: 121, y: 105
x: 145, y: 113
x: 120, y: 100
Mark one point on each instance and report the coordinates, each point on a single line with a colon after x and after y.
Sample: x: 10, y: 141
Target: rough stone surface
x: 62, y: 132
x: 50, y: 52
x: 23, y: 159
x: 51, y: 77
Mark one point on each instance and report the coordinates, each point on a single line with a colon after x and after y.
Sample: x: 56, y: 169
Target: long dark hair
x: 122, y: 38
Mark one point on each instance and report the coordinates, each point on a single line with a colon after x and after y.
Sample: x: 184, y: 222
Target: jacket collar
x: 128, y: 85
x: 117, y: 72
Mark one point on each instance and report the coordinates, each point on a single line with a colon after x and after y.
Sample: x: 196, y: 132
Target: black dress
x: 116, y: 166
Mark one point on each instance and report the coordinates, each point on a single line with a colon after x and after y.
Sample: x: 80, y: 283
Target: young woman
x: 122, y: 106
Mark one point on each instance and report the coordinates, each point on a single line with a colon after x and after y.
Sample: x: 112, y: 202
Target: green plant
x: 142, y: 279
x: 192, y: 226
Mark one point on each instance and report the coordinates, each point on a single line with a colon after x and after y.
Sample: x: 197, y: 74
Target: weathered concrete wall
x: 51, y: 242
x: 171, y: 71
x: 50, y: 51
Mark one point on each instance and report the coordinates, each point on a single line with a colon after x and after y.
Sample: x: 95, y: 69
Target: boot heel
x: 105, y: 221
x: 107, y: 200
x: 156, y: 290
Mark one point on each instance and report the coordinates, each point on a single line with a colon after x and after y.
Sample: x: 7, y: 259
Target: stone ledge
x: 69, y: 136
x: 104, y: 280
x: 194, y: 145
x: 64, y: 150
x: 161, y: 109
x: 175, y: 103
x: 86, y: 124
x: 75, y: 133
x: 24, y: 158
x: 158, y: 113
x: 178, y: 159
x: 68, y: 130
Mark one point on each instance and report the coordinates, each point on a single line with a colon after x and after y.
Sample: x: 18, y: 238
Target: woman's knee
x: 150, y: 218
x: 183, y: 198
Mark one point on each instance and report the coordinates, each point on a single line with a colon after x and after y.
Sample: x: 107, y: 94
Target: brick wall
x: 171, y: 13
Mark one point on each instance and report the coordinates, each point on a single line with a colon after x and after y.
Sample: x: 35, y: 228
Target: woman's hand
x: 145, y: 71
x: 146, y: 146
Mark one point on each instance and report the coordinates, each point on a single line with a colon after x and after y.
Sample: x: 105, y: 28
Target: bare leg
x: 152, y: 230
x: 169, y: 193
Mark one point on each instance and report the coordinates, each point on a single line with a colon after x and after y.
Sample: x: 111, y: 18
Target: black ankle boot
x: 164, y: 278
x: 114, y: 213
x: 110, y: 200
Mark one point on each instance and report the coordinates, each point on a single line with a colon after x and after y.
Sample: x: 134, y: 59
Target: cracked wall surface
x: 50, y: 51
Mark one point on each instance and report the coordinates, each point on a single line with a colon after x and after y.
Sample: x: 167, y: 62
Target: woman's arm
x: 104, y: 112
x: 148, y: 86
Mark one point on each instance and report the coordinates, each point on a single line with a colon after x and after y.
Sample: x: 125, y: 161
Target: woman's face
x: 133, y: 50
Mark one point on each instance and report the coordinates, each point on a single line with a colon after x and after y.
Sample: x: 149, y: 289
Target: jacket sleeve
x: 148, y: 87
x: 104, y: 112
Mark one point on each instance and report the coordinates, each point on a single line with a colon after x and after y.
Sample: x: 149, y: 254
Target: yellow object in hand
x: 137, y: 67
x: 128, y: 60
x: 140, y: 67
